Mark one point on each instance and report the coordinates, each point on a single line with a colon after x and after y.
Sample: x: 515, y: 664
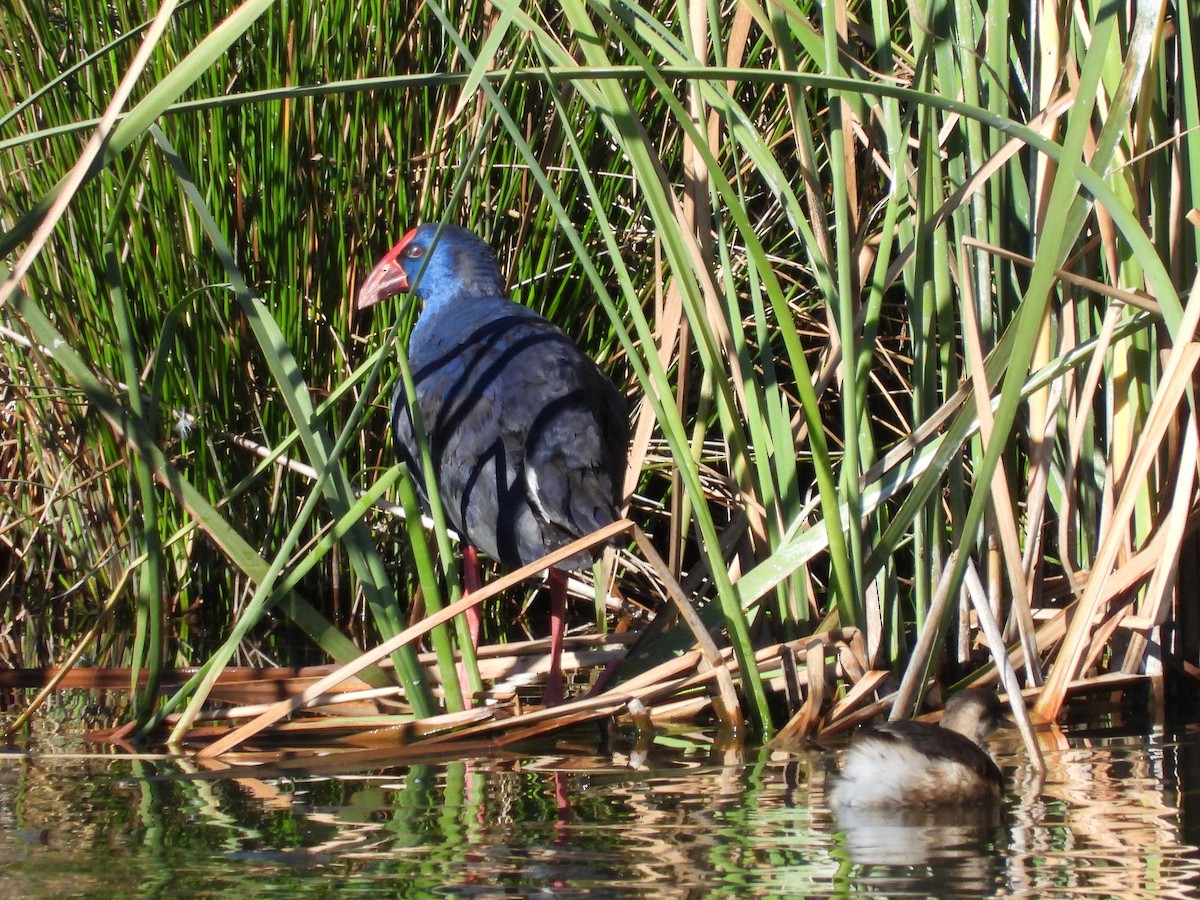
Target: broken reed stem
x: 729, y: 711
x: 1008, y: 676
x: 410, y: 634
x: 914, y: 673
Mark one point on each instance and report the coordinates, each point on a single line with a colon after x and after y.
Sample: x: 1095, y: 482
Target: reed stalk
x: 888, y: 300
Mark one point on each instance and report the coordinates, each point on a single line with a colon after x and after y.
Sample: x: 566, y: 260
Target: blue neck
x: 460, y: 270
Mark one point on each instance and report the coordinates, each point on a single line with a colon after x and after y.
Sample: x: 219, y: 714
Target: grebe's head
x: 975, y: 713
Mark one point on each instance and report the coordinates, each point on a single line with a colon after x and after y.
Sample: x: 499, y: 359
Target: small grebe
x: 915, y: 764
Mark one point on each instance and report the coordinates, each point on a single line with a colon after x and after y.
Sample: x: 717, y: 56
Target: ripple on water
x: 1111, y: 820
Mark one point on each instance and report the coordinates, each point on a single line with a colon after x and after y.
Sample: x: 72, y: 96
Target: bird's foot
x: 555, y: 694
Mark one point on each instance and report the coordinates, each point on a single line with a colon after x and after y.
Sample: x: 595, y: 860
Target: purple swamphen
x: 529, y: 439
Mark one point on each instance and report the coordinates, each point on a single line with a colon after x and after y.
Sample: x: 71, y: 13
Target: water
x: 1117, y: 816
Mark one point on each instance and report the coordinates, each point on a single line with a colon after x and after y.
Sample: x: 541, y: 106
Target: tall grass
x: 896, y: 293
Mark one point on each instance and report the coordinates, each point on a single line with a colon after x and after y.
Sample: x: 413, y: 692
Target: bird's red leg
x: 557, y: 580
x: 471, y: 583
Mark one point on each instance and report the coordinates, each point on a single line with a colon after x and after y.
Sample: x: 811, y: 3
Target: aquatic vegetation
x: 900, y: 307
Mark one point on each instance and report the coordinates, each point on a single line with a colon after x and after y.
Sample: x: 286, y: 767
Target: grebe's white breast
x: 914, y: 764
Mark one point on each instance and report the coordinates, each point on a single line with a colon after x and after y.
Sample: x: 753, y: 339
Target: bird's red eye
x: 414, y: 251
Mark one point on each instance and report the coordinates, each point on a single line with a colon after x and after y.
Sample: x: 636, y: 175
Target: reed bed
x: 901, y: 298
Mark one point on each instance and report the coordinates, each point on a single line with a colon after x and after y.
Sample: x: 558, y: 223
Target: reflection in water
x: 954, y: 838
x: 690, y: 823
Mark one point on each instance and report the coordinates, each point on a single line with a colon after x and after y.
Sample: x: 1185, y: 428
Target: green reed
x: 788, y: 231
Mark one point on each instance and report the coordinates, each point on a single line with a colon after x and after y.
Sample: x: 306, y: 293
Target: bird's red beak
x: 387, y: 279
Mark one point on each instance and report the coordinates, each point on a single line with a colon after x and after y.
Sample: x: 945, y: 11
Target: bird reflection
x: 914, y: 836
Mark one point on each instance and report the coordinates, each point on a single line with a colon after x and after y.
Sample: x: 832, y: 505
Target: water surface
x: 1116, y: 816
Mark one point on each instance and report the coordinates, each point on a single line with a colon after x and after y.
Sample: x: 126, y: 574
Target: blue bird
x: 528, y: 437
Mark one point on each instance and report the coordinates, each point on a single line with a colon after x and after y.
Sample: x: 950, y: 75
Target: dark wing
x: 576, y: 441
x: 528, y: 435
x: 934, y: 742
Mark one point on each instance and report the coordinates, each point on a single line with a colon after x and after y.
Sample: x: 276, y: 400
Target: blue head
x: 458, y: 265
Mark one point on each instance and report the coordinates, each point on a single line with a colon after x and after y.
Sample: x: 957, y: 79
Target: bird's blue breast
x: 526, y: 435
